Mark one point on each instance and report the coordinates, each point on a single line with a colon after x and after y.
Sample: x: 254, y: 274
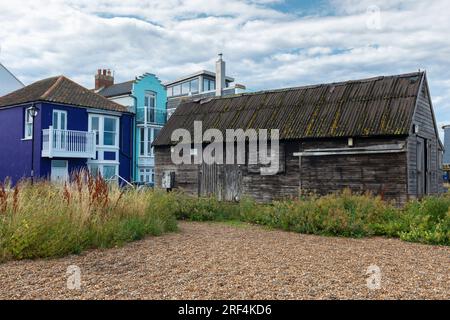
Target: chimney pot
x: 103, y: 79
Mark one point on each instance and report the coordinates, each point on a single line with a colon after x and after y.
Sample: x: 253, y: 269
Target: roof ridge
x: 312, y: 86
x: 52, y: 87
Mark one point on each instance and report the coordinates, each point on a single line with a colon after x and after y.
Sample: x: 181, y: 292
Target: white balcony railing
x: 68, y: 143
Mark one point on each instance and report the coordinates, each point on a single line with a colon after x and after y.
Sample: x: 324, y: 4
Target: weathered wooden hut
x: 376, y: 135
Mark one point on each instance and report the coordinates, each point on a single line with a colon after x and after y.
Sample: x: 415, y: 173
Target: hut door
x: 232, y: 182
x: 210, y: 181
x: 421, y: 167
x: 222, y: 181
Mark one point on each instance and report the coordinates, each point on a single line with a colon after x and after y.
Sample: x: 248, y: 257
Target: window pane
x: 142, y: 142
x: 55, y: 120
x: 177, y: 90
x: 93, y: 169
x: 152, y: 101
x: 149, y: 142
x: 109, y: 172
x: 63, y: 121
x: 29, y: 129
x: 94, y: 123
x: 185, y: 88
x: 59, y: 163
x: 155, y: 133
x: 109, y: 138
x: 194, y: 86
x: 212, y: 85
x: 146, y: 101
x: 110, y: 125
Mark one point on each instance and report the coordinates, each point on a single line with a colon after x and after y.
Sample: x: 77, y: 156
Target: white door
x: 60, y: 171
x: 60, y: 126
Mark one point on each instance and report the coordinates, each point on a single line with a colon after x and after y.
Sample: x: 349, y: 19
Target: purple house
x: 55, y: 126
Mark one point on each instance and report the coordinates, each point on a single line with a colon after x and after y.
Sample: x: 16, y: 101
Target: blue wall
x: 126, y: 146
x: 15, y: 153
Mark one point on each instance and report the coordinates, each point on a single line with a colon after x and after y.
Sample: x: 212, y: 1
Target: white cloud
x: 264, y: 48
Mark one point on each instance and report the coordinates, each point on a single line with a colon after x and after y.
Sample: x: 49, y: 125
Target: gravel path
x: 219, y: 261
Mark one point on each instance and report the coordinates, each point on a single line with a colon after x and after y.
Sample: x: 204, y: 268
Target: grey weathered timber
x: 396, y: 151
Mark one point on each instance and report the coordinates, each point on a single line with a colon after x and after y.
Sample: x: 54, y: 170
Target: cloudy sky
x: 266, y: 43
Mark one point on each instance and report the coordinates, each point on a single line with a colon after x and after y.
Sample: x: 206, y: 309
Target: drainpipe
x: 133, y: 143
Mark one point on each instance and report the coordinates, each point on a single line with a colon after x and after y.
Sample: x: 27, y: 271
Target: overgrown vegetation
x: 344, y: 214
x: 45, y: 220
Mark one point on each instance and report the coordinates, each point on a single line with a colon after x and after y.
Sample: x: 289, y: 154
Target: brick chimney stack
x: 103, y: 79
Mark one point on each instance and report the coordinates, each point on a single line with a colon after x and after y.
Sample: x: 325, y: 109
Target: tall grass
x: 46, y: 220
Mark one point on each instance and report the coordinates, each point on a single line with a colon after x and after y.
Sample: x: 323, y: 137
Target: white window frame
x: 149, y: 137
x: 148, y: 108
x: 145, y: 172
x: 28, y: 132
x: 60, y: 113
x: 101, y: 131
x: 101, y: 166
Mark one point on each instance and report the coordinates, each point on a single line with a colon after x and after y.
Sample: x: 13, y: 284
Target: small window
x: 28, y: 124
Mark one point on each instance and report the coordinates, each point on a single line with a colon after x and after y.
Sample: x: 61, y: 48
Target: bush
x: 45, y: 220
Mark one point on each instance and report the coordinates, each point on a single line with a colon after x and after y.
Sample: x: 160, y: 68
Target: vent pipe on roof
x: 220, y: 76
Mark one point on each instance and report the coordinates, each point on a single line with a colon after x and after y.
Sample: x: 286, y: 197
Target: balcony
x: 68, y: 144
x: 151, y: 116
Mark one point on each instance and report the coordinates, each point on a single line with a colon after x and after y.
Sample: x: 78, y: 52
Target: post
x: 50, y: 141
x: 32, y: 150
x: 33, y: 113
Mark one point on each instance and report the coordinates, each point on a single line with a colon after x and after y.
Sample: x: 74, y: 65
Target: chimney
x: 103, y: 79
x: 446, y: 144
x: 220, y: 76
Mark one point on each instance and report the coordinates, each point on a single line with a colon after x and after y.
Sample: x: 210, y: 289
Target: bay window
x: 106, y: 130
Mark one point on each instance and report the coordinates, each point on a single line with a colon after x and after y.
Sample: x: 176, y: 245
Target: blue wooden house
x: 67, y: 127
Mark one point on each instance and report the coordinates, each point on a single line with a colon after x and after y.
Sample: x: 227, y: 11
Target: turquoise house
x: 145, y: 97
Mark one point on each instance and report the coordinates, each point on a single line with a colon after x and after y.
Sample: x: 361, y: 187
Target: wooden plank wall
x: 423, y: 117
x: 379, y: 173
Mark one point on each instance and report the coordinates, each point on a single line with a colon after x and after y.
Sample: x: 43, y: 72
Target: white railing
x: 68, y: 143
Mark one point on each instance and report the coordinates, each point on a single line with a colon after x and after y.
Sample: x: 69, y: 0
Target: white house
x: 8, y: 82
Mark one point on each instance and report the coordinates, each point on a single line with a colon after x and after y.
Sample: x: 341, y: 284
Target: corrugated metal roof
x: 371, y: 107
x: 59, y: 90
